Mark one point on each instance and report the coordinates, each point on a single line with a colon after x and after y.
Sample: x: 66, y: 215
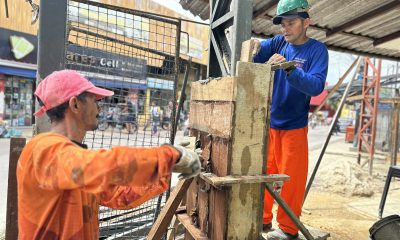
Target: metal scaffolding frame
x: 369, y: 110
x: 230, y: 25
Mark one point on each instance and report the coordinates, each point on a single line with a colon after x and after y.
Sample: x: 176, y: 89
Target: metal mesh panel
x: 135, y: 54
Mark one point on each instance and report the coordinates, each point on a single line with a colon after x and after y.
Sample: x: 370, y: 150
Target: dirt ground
x: 344, y: 198
x: 329, y: 213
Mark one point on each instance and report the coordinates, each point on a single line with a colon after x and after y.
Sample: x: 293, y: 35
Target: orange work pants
x: 287, y: 154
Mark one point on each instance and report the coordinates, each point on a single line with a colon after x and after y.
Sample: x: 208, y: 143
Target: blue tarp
x: 18, y: 72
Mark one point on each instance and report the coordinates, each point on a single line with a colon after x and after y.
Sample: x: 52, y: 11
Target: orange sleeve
x: 63, y: 165
x: 121, y: 197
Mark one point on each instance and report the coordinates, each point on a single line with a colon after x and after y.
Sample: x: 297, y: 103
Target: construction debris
x: 345, y: 177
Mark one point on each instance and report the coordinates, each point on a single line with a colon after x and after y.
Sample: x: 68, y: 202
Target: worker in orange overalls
x: 293, y: 88
x: 61, y: 183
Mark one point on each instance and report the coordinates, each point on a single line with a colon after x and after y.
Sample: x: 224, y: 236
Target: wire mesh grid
x: 134, y: 54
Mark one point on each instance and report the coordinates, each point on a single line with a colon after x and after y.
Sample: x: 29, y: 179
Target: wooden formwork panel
x: 230, y: 116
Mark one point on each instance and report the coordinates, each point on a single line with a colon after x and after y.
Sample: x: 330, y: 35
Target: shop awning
x: 117, y: 84
x: 160, y: 83
x: 316, y: 101
x: 18, y: 72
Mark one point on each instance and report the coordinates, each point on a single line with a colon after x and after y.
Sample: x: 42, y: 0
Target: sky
x: 338, y: 62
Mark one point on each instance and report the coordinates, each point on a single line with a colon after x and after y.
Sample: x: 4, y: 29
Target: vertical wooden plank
x: 203, y: 206
x: 192, y: 197
x: 247, y: 51
x: 251, y: 111
x: 218, y: 214
x: 16, y: 146
x: 220, y: 156
x: 249, y: 147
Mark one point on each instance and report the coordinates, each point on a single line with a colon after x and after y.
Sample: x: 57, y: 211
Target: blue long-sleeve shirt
x: 291, y: 94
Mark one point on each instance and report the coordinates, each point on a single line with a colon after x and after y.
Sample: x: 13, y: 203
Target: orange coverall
x: 287, y: 154
x: 61, y: 184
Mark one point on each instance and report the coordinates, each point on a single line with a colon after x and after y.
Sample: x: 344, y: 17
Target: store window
x: 18, y: 101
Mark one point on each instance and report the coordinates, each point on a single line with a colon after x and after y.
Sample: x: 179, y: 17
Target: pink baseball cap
x: 60, y: 86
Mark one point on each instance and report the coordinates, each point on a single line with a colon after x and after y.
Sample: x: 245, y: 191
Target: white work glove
x: 189, y: 164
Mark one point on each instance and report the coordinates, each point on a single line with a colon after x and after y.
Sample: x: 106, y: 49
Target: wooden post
x: 395, y: 134
x: 16, y: 146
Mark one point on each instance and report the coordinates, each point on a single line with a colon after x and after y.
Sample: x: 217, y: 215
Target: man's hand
x: 276, y: 58
x: 189, y: 164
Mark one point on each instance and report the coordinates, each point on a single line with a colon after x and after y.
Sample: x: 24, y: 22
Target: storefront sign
x: 98, y: 61
x: 18, y: 46
x: 21, y: 47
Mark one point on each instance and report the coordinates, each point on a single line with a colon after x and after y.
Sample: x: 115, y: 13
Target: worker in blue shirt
x: 292, y: 91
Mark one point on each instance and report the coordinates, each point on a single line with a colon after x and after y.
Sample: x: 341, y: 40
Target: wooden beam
x: 386, y: 38
x: 366, y: 16
x: 249, y: 134
x: 381, y: 100
x: 16, y: 146
x: 355, y: 98
x: 324, y: 29
x: 389, y: 100
x: 264, y: 9
x: 160, y: 226
x: 193, y: 230
x: 230, y: 180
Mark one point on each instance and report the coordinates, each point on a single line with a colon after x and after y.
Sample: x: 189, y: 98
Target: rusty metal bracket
x: 289, y: 212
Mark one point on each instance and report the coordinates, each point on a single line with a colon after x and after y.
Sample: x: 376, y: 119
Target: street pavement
x: 317, y: 137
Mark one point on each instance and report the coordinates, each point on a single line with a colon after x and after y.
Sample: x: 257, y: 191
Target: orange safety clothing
x: 61, y: 184
x: 287, y: 154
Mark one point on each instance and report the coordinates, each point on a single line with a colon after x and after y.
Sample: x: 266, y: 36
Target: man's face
x: 294, y: 30
x: 89, y: 116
